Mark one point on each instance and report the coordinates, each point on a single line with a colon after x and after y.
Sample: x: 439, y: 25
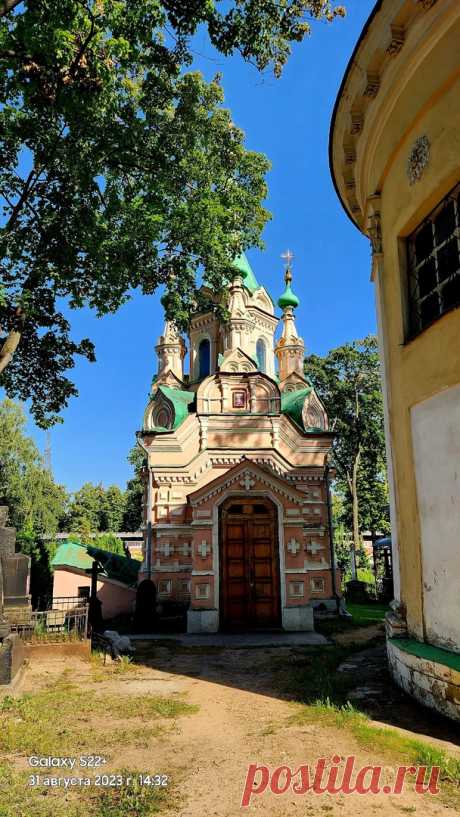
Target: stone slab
x: 238, y: 640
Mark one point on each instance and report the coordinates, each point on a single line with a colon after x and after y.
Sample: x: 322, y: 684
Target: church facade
x: 237, y: 500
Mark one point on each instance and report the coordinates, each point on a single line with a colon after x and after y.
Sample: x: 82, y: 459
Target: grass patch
x: 59, y: 720
x: 366, y: 614
x: 386, y: 741
x: 363, y: 615
x: 102, y: 668
x: 65, y: 720
x: 134, y: 800
x: 311, y: 678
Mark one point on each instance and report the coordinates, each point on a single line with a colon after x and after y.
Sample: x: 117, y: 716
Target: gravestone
x: 15, y: 572
x: 4, y: 626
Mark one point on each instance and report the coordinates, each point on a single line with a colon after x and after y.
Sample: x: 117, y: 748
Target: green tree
x: 133, y: 515
x: 36, y: 502
x: 113, y: 508
x: 97, y: 511
x: 348, y: 381
x: 120, y: 168
x: 86, y: 509
x: 104, y: 541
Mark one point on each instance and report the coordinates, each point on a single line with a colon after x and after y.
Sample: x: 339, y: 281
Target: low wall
x: 429, y: 674
x: 12, y: 656
x: 77, y: 649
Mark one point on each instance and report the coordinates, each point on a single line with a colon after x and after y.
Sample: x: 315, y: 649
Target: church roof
x: 241, y: 263
x: 292, y: 404
x: 181, y: 401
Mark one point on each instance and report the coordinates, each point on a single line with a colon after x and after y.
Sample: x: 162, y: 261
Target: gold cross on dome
x: 288, y: 256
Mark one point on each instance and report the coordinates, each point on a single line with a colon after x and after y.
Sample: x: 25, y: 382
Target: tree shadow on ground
x: 336, y: 674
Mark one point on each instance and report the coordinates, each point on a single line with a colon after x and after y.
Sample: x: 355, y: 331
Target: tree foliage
x: 348, y: 381
x: 36, y: 502
x: 95, y: 509
x: 132, y: 517
x: 120, y: 168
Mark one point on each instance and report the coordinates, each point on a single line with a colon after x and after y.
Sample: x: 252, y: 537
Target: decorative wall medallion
x: 418, y: 159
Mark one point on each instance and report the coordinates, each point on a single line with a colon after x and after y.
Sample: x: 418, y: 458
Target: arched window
x: 261, y: 354
x: 204, y: 358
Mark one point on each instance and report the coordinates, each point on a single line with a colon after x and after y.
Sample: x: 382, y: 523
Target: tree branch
x: 8, y: 5
x: 22, y: 198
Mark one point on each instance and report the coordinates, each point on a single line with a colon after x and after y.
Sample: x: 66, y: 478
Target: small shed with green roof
x: 117, y: 576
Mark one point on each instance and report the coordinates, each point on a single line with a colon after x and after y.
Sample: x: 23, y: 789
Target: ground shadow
x: 305, y: 674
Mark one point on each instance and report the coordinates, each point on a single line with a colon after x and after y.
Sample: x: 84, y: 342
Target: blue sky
x: 288, y: 119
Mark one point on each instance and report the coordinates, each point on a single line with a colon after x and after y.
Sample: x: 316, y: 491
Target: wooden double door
x: 249, y: 565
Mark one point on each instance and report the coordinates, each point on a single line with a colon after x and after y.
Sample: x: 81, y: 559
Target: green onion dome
x: 288, y: 298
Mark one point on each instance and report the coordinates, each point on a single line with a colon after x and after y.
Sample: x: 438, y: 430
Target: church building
x: 237, y: 499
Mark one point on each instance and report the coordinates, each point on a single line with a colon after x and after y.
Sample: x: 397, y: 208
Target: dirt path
x: 243, y: 717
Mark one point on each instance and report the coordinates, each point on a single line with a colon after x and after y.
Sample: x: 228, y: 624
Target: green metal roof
x: 288, y: 298
x: 292, y: 405
x: 181, y: 401
x: 241, y: 263
x: 116, y: 567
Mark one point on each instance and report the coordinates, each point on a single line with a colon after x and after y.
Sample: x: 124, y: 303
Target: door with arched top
x: 249, y: 564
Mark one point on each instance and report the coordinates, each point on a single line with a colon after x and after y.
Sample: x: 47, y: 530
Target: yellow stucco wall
x: 430, y: 362
x: 419, y: 95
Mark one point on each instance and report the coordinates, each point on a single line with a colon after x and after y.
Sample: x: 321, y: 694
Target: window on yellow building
x: 434, y: 264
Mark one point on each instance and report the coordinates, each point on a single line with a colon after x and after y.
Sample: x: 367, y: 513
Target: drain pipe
x: 142, y: 445
x: 331, y: 536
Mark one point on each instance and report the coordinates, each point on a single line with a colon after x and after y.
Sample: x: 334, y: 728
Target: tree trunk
x: 353, y: 483
x: 8, y: 349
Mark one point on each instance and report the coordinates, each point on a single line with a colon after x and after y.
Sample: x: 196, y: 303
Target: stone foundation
x: 429, y: 674
x: 297, y: 619
x: 202, y: 621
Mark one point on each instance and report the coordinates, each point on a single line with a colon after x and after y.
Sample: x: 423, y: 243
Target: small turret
x: 290, y: 349
x: 171, y: 351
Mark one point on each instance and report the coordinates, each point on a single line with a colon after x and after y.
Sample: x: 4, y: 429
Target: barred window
x: 434, y: 264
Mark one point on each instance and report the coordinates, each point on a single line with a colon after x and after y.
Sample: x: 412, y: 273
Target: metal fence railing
x: 53, y: 626
x: 61, y: 602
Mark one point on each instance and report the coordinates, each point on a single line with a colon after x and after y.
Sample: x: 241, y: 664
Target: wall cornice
x: 394, y: 43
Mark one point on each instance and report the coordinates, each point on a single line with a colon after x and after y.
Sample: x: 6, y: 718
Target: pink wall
x: 116, y: 599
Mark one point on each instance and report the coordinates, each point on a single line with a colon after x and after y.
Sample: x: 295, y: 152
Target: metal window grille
x: 434, y: 264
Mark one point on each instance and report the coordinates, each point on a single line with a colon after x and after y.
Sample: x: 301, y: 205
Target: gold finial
x: 288, y: 256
